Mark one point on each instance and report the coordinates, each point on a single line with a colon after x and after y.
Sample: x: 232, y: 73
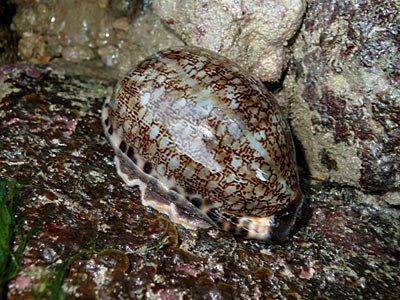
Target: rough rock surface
x: 108, y: 245
x: 344, y: 90
x: 115, y: 32
x: 121, y: 36
x: 254, y: 33
x: 342, y: 85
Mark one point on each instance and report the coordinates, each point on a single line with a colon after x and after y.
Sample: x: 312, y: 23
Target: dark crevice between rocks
x: 8, y: 38
x: 304, y: 171
x: 304, y: 179
x: 7, y: 12
x: 275, y: 87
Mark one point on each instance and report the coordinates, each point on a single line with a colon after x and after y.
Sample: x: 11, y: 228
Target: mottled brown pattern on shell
x: 159, y: 77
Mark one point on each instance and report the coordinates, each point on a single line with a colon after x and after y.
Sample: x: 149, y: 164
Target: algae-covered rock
x: 344, y: 90
x: 98, y: 241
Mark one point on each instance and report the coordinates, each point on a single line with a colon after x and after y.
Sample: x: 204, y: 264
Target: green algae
x: 11, y: 230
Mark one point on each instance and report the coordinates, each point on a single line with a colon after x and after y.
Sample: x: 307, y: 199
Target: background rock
x: 116, y: 32
x: 343, y: 87
x: 122, y: 33
x: 107, y: 245
x: 341, y: 92
x: 254, y: 33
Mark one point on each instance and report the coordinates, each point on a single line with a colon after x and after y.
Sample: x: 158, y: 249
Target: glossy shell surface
x: 206, y: 143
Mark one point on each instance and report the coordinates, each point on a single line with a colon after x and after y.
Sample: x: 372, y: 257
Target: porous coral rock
x: 253, y: 33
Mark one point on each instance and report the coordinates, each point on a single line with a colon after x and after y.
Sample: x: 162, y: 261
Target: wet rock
x: 124, y: 32
x: 238, y: 30
x: 117, y: 33
x: 31, y: 45
x: 393, y: 198
x: 343, y: 86
x: 107, y: 245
